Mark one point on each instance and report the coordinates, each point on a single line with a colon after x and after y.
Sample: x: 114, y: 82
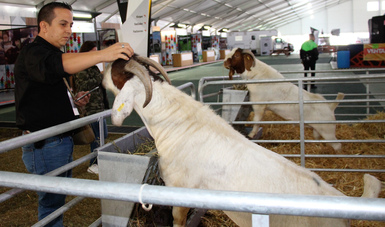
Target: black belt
x: 41, y: 143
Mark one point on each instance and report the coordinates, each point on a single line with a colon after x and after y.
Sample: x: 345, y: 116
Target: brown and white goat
x: 199, y: 149
x: 249, y: 68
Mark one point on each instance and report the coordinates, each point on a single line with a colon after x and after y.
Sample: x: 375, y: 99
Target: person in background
x: 42, y: 99
x: 6, y: 43
x: 2, y: 53
x: 309, y: 55
x: 87, y: 80
x: 10, y: 50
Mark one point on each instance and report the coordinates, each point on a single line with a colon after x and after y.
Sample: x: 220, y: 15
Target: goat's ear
x: 231, y: 73
x: 107, y: 81
x: 123, y: 105
x: 248, y: 61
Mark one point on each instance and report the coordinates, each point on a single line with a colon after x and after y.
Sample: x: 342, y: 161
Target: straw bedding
x: 341, y: 181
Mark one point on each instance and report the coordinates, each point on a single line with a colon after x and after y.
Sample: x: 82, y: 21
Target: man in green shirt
x: 309, y: 55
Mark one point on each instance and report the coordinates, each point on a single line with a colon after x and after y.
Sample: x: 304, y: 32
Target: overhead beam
x: 105, y: 5
x: 178, y: 9
x: 234, y: 10
x: 161, y: 8
x: 111, y: 15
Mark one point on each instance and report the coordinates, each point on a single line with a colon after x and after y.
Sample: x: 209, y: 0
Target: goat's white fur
x: 198, y: 149
x: 287, y: 92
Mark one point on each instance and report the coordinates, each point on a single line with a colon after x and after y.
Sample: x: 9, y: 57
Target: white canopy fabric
x: 236, y: 15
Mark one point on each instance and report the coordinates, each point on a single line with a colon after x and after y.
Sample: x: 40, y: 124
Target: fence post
x: 301, y: 122
x: 260, y: 220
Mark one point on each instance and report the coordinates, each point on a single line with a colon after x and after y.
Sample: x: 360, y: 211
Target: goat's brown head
x: 239, y: 60
x: 120, y: 71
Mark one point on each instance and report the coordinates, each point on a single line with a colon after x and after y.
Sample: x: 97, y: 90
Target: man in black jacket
x: 309, y: 55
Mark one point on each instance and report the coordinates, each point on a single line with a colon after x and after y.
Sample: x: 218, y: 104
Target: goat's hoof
x: 257, y: 135
x: 336, y: 146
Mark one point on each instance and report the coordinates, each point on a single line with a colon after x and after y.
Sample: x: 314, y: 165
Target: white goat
x: 198, y: 149
x: 249, y: 68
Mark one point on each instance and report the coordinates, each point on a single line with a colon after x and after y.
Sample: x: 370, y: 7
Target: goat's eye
x: 128, y: 75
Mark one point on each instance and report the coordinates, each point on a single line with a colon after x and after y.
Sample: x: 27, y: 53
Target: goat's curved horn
x: 138, y: 70
x: 156, y: 65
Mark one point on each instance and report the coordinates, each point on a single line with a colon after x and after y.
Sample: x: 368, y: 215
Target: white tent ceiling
x: 237, y: 15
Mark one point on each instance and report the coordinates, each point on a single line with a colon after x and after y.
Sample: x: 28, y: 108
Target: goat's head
x: 238, y: 60
x: 116, y: 78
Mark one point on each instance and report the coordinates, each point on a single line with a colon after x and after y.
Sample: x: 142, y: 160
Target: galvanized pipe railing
x: 191, y: 87
x: 58, y: 212
x: 65, y: 127
x: 335, y: 71
x: 223, y: 81
x: 9, y: 194
x: 210, y: 81
x: 301, y: 123
x: 51, y: 131
x: 256, y: 203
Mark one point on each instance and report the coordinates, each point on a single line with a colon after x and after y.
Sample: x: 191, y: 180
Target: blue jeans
x: 56, y: 152
x: 96, y: 143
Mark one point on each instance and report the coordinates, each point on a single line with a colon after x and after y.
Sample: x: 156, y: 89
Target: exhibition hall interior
x: 187, y: 34
x: 244, y: 62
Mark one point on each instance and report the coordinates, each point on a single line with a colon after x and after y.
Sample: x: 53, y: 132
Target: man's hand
x: 76, y: 62
x: 117, y: 50
x: 83, y: 101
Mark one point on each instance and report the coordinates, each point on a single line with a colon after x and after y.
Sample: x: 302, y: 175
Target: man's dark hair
x: 47, y: 14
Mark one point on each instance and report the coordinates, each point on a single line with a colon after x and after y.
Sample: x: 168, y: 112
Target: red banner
x: 374, y: 52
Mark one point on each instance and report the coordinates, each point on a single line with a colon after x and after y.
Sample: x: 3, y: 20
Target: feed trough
x: 118, y: 164
x: 233, y: 113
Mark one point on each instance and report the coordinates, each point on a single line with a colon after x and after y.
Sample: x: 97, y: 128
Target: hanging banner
x: 135, y: 29
x: 374, y: 52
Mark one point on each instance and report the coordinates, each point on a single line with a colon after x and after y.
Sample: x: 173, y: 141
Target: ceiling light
x: 82, y: 15
x: 182, y: 25
x: 179, y: 25
x: 205, y: 27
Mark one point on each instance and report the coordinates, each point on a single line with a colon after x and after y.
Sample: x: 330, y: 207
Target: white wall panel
x: 361, y: 15
x: 294, y: 28
x: 315, y: 22
x: 9, y: 10
x: 350, y: 17
x: 340, y: 17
